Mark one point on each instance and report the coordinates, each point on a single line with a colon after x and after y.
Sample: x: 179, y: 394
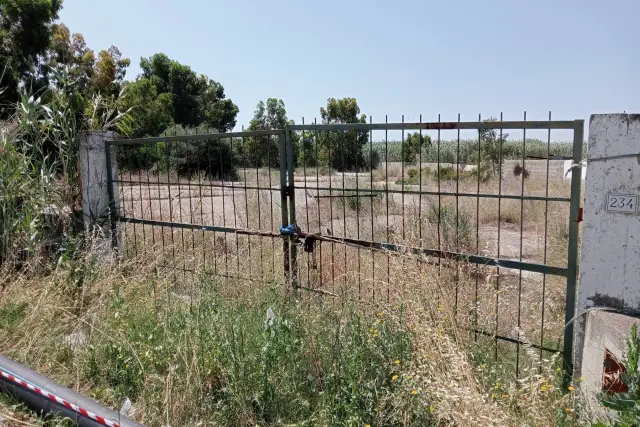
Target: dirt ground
x: 376, y: 206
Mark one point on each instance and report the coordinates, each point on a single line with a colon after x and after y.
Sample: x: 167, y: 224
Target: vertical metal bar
x: 344, y: 206
x: 194, y: 144
x: 153, y: 233
x: 245, y: 166
x: 522, y: 179
x: 200, y: 204
x: 455, y: 308
x: 273, y: 240
x: 220, y: 142
x: 572, y: 255
x: 160, y: 207
x: 269, y: 139
x: 386, y: 187
x: 544, y: 256
x: 283, y: 205
x: 306, y: 200
x: 439, y: 203
x: 333, y: 270
x: 373, y: 257
x: 113, y: 214
x: 357, y: 154
x: 144, y: 234
x: 235, y: 210
x: 402, y: 156
x: 317, y: 161
x: 133, y: 214
x: 495, y: 347
x: 173, y: 244
x: 292, y: 207
x: 477, y: 267
x: 213, y: 215
x: 420, y: 189
x: 184, y: 255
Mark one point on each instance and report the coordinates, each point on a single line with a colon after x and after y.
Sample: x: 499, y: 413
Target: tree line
x: 44, y: 58
x: 42, y: 55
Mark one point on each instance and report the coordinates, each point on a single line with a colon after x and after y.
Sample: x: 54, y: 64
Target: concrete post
x: 95, y: 192
x: 609, y: 291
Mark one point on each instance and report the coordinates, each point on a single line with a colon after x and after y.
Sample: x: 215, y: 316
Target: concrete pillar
x: 95, y: 192
x: 610, y: 251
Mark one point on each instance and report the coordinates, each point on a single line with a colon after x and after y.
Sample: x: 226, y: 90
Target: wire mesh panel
x: 483, y: 209
x: 479, y: 212
x: 206, y: 204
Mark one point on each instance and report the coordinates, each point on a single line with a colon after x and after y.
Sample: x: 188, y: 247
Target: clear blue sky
x: 411, y: 57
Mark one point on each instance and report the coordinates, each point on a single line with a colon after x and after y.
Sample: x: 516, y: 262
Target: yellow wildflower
x: 394, y: 378
x: 397, y: 362
x: 432, y: 409
x: 571, y: 388
x: 410, y: 377
x: 581, y: 379
x: 505, y: 396
x: 414, y: 391
x: 379, y: 314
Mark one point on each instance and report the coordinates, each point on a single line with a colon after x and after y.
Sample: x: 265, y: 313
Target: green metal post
x: 283, y: 204
x: 292, y: 207
x: 113, y: 214
x: 572, y: 258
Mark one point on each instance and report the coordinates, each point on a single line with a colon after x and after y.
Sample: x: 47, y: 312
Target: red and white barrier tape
x: 59, y: 400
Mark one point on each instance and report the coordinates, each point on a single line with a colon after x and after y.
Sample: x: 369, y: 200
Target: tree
x: 151, y: 113
x: 343, y: 150
x: 196, y: 99
x: 25, y: 35
x: 263, y: 151
x: 493, y: 150
x: 413, y: 145
x: 102, y: 75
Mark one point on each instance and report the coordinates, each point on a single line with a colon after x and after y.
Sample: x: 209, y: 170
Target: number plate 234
x: 622, y: 203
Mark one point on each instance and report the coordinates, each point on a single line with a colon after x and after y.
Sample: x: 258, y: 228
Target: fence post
x: 283, y: 205
x: 99, y: 193
x: 572, y: 253
x: 292, y: 207
x: 609, y: 293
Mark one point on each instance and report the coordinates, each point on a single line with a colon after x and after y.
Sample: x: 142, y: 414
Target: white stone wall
x: 610, y: 250
x: 610, y: 264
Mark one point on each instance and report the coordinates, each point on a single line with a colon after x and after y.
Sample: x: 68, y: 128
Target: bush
x: 217, y: 158
x: 445, y: 173
x: 137, y: 157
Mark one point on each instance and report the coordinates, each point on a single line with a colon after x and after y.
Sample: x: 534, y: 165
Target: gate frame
x: 571, y: 270
x: 288, y: 203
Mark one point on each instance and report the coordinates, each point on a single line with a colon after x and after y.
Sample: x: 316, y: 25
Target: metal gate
x: 195, y: 204
x: 499, y: 236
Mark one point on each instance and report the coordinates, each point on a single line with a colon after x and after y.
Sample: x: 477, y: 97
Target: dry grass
x: 447, y: 369
x: 463, y: 378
